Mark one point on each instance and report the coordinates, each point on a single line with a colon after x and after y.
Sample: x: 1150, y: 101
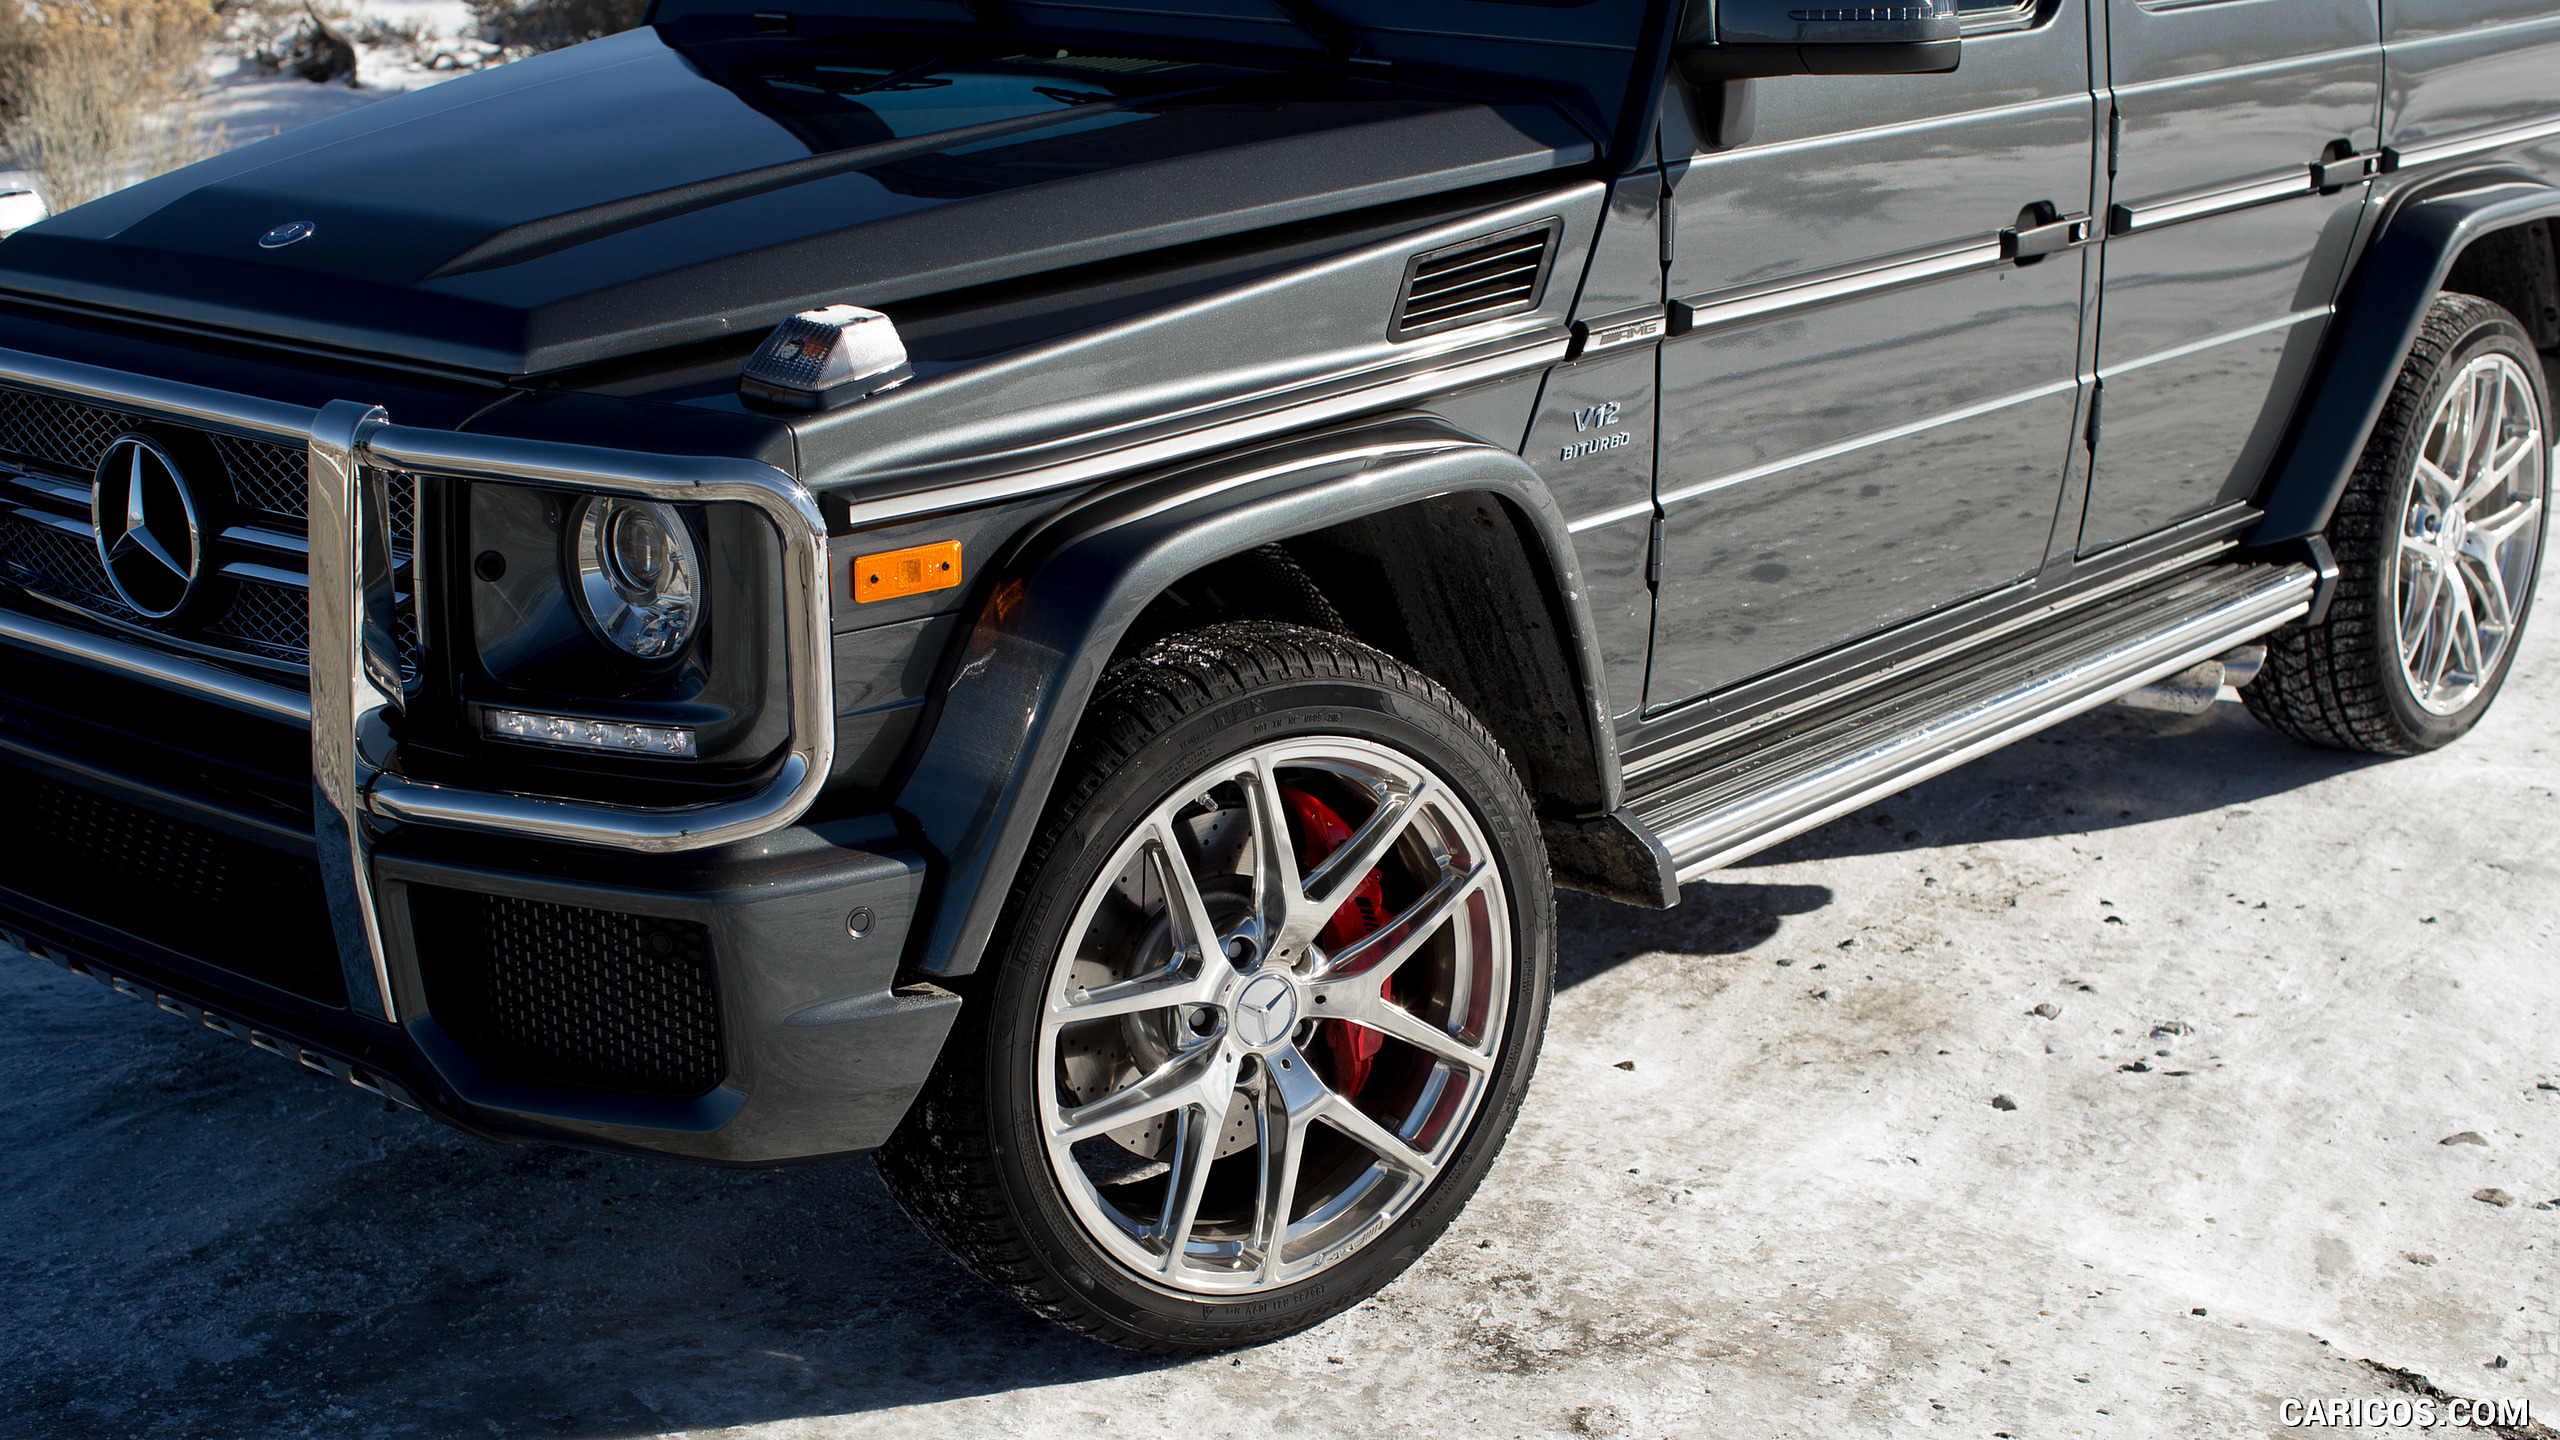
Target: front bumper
x: 819, y: 1049
x: 799, y: 1042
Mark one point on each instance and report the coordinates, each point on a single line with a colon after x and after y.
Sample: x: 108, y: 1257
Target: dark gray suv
x: 1047, y: 589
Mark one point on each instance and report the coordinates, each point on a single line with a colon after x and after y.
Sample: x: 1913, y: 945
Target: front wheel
x: 1263, y: 1004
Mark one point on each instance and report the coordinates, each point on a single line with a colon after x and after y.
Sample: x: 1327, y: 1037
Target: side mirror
x: 1751, y: 38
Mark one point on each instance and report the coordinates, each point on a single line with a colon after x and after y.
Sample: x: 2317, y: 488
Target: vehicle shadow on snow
x: 436, y: 1285
x: 432, y: 1284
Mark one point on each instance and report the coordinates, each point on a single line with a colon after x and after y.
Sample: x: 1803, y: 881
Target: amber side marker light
x: 911, y: 571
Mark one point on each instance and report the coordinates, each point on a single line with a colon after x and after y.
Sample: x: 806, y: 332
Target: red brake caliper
x: 1320, y: 832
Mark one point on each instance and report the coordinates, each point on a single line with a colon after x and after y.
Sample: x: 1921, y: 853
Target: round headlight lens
x: 639, y: 575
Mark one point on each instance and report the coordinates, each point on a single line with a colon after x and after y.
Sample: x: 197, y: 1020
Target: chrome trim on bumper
x: 229, y: 689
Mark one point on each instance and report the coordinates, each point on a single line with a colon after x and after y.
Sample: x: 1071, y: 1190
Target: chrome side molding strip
x: 227, y: 688
x: 1803, y: 292
x: 2464, y: 146
x: 2319, y: 177
x: 2125, y: 219
x: 1897, y: 761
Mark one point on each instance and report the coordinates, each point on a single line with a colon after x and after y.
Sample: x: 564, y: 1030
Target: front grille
x: 251, y: 513
x: 60, y: 432
x: 564, y: 995
x: 222, y: 900
x: 265, y: 477
x: 55, y: 562
x: 268, y: 620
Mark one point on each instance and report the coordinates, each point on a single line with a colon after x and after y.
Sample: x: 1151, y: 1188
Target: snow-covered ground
x: 248, y: 105
x: 251, y: 106
x: 2287, y: 1132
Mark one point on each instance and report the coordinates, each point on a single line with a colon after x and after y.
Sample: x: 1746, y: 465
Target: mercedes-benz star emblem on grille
x: 286, y: 234
x: 148, y: 537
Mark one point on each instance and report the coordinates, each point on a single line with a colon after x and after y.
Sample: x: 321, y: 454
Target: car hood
x: 658, y: 189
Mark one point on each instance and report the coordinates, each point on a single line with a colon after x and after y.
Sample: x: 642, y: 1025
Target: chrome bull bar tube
x: 807, y: 629
x: 355, y: 691
x: 355, y: 682
x: 355, y: 679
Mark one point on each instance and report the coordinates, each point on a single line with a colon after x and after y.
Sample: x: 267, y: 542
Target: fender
x: 2378, y: 318
x: 1064, y: 594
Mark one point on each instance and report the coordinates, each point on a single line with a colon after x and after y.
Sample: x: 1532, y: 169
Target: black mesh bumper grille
x: 563, y: 995
x: 227, y: 902
x: 265, y: 476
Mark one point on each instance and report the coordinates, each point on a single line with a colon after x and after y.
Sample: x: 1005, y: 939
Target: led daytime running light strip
x: 576, y: 732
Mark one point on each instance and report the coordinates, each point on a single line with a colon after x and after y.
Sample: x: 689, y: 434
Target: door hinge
x: 2097, y: 408
x: 1653, y: 557
x: 2115, y: 138
x: 1670, y: 227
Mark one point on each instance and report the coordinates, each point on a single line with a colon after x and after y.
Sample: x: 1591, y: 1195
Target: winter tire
x: 2439, y: 539
x: 1263, y: 1004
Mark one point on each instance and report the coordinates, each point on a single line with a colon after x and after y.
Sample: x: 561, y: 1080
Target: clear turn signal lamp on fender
x: 578, y: 733
x: 823, y: 358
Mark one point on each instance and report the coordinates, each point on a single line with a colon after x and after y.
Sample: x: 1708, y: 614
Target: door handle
x: 2023, y: 243
x: 2348, y: 169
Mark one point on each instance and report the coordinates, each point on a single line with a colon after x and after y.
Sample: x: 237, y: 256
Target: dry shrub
x: 104, y: 93
x: 526, y: 27
x: 17, y: 56
x: 317, y: 41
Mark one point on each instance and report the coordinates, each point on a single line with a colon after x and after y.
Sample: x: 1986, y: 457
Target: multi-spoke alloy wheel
x: 1276, y: 1011
x: 2469, y: 533
x: 2439, y: 538
x: 1262, y: 1007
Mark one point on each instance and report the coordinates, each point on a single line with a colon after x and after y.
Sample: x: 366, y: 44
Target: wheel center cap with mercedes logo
x: 1266, y: 1010
x: 149, y: 536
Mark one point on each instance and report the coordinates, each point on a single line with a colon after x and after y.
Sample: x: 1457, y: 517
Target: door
x: 1870, y: 412
x: 2221, y: 256
x: 2470, y: 78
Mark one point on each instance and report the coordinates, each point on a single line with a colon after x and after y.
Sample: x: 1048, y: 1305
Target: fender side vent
x: 1485, y: 279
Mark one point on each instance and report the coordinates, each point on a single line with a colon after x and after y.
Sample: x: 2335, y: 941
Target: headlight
x: 639, y: 575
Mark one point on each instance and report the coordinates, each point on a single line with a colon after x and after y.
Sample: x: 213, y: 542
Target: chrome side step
x: 1774, y: 789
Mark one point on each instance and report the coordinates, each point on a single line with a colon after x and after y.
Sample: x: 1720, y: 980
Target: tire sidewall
x: 2426, y: 729
x: 1029, y: 942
